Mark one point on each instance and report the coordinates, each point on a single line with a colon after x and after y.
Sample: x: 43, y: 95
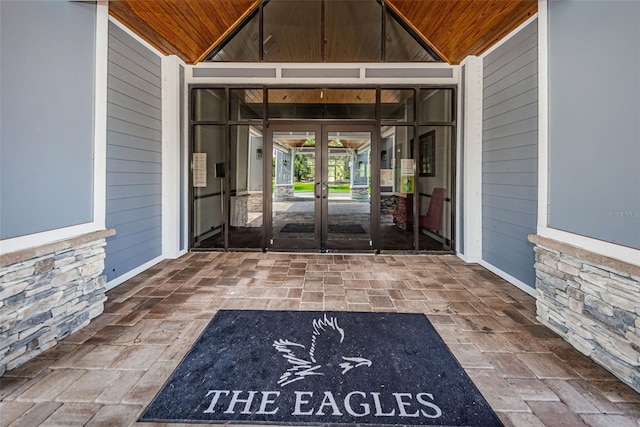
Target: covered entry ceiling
x: 352, y: 140
x: 191, y: 29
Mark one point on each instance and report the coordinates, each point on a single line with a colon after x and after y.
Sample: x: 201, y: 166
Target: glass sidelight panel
x: 395, y: 152
x: 295, y: 190
x: 208, y: 189
x: 431, y: 228
x: 348, y: 180
x: 435, y: 187
x: 245, y: 187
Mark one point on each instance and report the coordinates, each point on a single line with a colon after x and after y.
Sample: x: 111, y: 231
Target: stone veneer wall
x: 47, y: 293
x: 593, y: 302
x: 388, y: 203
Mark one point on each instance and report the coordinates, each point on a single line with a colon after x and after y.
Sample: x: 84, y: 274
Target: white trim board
x: 277, y: 68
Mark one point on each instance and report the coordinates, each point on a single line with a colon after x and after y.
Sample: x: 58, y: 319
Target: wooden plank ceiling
x: 190, y: 29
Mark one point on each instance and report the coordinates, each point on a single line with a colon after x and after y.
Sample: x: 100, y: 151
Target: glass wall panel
x: 397, y: 104
x: 246, y: 104
x: 401, y: 46
x: 396, y: 187
x: 246, y: 162
x: 243, y: 46
x: 207, y: 180
x: 347, y: 104
x: 353, y: 31
x: 209, y: 105
x: 228, y: 162
x: 292, y: 31
x: 435, y: 186
x: 436, y: 105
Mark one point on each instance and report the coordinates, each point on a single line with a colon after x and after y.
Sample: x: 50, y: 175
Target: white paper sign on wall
x: 199, y: 169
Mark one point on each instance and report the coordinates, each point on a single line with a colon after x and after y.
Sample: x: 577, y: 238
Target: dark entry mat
x: 281, y: 367
x: 307, y: 227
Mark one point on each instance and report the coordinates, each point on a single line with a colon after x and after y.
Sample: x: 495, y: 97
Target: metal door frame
x: 319, y: 242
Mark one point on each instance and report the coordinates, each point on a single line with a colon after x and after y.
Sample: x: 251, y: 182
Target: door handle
x: 325, y: 190
x: 315, y: 190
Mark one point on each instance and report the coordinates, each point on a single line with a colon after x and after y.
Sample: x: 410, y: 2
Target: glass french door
x: 321, y: 181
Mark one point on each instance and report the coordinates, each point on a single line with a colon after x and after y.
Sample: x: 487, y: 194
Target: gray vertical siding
x: 594, y: 119
x: 47, y: 62
x: 510, y: 154
x: 134, y: 131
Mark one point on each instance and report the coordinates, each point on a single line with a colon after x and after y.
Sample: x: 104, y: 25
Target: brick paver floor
x: 107, y: 373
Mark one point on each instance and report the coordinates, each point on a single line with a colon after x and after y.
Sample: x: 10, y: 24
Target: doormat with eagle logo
x: 320, y: 368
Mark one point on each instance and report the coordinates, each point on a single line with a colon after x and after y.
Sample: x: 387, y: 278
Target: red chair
x: 432, y: 219
x: 434, y: 213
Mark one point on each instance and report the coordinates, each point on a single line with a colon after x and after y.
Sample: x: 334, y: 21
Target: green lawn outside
x: 308, y: 186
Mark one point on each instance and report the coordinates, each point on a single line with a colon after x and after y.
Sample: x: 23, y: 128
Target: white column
x: 543, y: 117
x: 292, y: 156
x: 472, y: 176
x: 170, y: 157
x: 100, y: 128
x: 354, y: 158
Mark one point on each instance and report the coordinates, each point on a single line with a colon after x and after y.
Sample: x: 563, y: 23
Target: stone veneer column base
x: 255, y: 203
x: 284, y: 192
x: 360, y: 193
x: 593, y: 302
x: 48, y: 293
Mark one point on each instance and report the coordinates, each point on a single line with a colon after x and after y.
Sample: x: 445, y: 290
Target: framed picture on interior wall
x: 427, y: 163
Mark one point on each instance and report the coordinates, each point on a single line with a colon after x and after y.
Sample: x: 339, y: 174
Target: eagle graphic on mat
x: 307, y: 363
